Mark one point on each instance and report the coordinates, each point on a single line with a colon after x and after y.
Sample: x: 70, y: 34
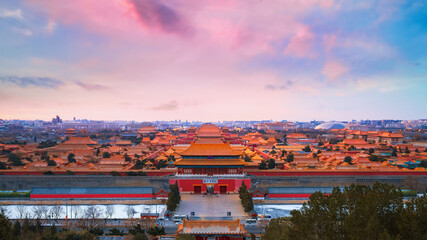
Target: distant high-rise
x: 56, y: 120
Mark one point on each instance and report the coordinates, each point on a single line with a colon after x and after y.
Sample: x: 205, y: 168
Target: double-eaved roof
x: 202, y: 149
x: 219, y: 227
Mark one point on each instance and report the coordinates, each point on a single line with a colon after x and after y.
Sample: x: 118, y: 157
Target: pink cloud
x: 110, y: 18
x: 301, y: 44
x: 154, y: 14
x: 334, y: 69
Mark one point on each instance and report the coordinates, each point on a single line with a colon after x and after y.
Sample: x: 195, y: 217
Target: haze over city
x: 213, y: 60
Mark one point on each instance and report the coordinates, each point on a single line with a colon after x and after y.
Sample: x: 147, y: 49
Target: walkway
x: 211, y: 206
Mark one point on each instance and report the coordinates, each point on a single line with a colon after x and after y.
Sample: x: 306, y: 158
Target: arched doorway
x: 210, y: 189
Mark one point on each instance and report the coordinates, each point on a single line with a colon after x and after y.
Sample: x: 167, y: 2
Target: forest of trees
x: 356, y: 212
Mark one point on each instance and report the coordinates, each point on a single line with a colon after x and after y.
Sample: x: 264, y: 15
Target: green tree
x: 51, y: 163
x: 116, y: 232
x: 139, y: 173
x: 171, y: 158
x: 71, y: 158
x: 115, y: 173
x: 373, y: 158
x: 140, y: 236
x: 6, y: 231
x: 283, y: 153
x: 246, y: 198
x: 3, y: 165
x: 290, y: 158
x: 307, y: 149
x: 139, y: 164
x: 242, y: 190
x: 394, y: 152
x: 15, y: 160
x: 155, y: 231
x: 161, y: 164
x: 348, y: 160
x: 174, y: 197
x: 357, y: 212
x: 136, y: 229
x: 407, y: 150
x: 262, y: 165
x: 247, y: 158
x: 106, y: 155
x: 96, y: 231
x: 127, y: 158
x: 17, y: 229
x: 271, y: 163
x: 277, y: 229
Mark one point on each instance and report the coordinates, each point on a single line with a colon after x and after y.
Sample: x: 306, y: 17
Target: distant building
x: 147, y: 130
x: 331, y: 125
x: 56, y: 120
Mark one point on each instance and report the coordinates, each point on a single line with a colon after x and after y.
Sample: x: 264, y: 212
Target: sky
x: 145, y: 60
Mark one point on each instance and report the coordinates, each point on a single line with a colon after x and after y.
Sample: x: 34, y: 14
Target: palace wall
x: 8, y: 182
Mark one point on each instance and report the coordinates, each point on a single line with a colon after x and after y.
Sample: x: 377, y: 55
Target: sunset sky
x: 213, y: 60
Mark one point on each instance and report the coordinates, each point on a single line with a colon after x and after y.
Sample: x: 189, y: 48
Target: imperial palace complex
x: 217, y: 160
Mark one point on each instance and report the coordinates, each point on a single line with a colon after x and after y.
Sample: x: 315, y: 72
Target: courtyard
x: 211, y: 206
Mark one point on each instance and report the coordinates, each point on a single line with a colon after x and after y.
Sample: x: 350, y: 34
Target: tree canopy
x: 356, y: 212
x: 246, y: 198
x: 174, y: 197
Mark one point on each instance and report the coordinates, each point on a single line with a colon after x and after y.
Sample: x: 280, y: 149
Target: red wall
x: 334, y: 173
x: 291, y: 195
x: 187, y: 185
x: 149, y: 173
x: 279, y: 195
x: 91, y: 195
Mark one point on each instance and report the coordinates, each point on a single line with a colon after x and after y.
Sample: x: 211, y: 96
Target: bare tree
x: 4, y: 210
x: 109, y: 211
x: 46, y: 211
x: 56, y: 211
x: 130, y: 210
x: 38, y: 211
x: 93, y: 213
x: 76, y: 211
x: 22, y: 211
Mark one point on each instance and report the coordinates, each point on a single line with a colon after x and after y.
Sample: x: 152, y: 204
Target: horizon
x: 213, y: 122
x: 243, y: 61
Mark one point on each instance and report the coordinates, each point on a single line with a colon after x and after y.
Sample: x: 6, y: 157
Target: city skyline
x: 161, y: 60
